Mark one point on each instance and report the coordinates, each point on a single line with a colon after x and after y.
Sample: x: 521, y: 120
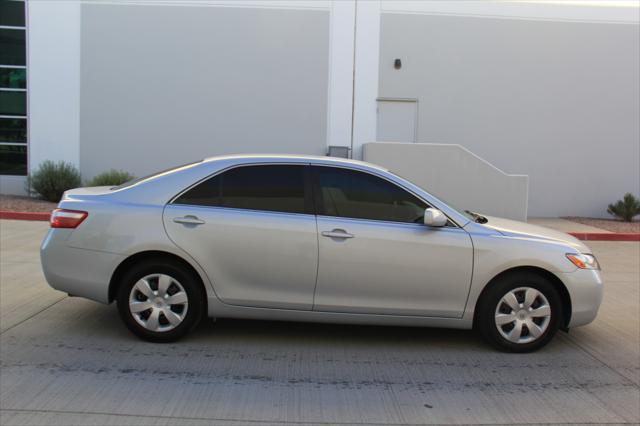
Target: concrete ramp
x: 456, y: 175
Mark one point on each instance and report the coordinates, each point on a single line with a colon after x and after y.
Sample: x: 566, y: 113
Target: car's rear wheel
x: 160, y: 301
x: 520, y: 312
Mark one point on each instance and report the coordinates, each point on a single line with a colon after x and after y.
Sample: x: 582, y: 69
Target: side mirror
x: 434, y: 217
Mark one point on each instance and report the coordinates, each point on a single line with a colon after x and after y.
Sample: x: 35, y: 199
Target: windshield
x: 466, y: 213
x: 153, y: 175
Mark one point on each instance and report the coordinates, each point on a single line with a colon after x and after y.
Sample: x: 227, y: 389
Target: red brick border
x: 4, y: 214
x: 605, y: 236
x: 585, y: 236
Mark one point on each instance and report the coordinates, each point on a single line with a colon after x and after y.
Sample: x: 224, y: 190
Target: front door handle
x: 337, y: 233
x: 189, y: 220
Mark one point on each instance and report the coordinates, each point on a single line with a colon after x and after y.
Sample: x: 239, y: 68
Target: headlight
x: 583, y: 261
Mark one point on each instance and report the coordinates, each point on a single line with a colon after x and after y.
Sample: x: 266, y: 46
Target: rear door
x: 252, y: 229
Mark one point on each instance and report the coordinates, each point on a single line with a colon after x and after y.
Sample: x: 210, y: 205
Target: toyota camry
x: 301, y: 238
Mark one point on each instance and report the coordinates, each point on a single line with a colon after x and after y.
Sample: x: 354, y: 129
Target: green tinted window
x: 13, y: 103
x: 13, y: 160
x: 12, y: 47
x: 12, y: 13
x: 13, y: 130
x: 13, y: 78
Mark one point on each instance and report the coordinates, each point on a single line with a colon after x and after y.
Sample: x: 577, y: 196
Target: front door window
x: 358, y: 195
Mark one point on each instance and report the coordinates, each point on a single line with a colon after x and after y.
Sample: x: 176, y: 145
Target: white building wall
x: 367, y: 59
x: 477, y: 183
x: 549, y: 91
x: 164, y: 84
x: 341, y: 54
x: 53, y: 73
x: 55, y: 77
x: 53, y: 82
x: 353, y: 66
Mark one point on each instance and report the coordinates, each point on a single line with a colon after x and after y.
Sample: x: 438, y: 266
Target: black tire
x: 485, y: 320
x: 186, y: 278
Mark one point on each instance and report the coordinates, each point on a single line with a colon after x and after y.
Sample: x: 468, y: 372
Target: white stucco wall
x: 455, y: 175
x: 53, y: 73
x: 547, y: 90
x: 437, y: 48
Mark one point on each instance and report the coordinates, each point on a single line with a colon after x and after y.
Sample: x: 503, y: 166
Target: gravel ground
x: 25, y: 204
x: 608, y: 224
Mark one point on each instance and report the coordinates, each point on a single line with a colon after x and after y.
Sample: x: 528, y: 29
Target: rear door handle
x: 337, y: 233
x: 189, y: 220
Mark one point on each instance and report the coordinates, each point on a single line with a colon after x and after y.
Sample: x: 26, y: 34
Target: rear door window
x: 277, y: 188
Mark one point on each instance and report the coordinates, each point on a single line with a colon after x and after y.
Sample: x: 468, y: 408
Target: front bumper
x: 585, y: 289
x: 79, y: 272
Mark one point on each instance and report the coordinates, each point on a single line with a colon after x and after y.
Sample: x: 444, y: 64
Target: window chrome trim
x: 235, y: 209
x: 391, y: 223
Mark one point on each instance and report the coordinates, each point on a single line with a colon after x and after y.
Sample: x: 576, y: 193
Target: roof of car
x: 285, y: 157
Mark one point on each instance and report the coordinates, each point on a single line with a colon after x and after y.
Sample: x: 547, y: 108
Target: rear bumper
x: 79, y: 272
x: 585, y: 289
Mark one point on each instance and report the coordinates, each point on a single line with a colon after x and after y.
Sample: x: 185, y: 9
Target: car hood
x: 514, y: 228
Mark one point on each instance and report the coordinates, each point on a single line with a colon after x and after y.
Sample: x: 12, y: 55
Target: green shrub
x: 51, y: 179
x: 111, y: 178
x: 626, y: 208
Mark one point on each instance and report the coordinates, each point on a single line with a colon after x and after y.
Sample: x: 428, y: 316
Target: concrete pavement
x: 70, y: 361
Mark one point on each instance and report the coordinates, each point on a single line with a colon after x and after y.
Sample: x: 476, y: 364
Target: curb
x: 4, y: 214
x: 602, y: 236
x: 584, y: 236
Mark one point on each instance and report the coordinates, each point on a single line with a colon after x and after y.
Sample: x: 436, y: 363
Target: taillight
x: 62, y: 218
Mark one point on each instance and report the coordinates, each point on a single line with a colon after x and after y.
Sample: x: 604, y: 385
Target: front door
x: 253, y: 231
x: 376, y: 255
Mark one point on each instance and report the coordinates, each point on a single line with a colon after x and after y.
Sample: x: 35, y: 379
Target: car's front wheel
x: 519, y: 313
x: 160, y: 301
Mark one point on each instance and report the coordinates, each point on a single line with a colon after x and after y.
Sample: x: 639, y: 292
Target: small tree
x: 51, y: 179
x: 111, y: 178
x: 626, y: 208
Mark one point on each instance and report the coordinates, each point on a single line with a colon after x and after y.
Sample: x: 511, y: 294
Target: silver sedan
x: 313, y: 239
